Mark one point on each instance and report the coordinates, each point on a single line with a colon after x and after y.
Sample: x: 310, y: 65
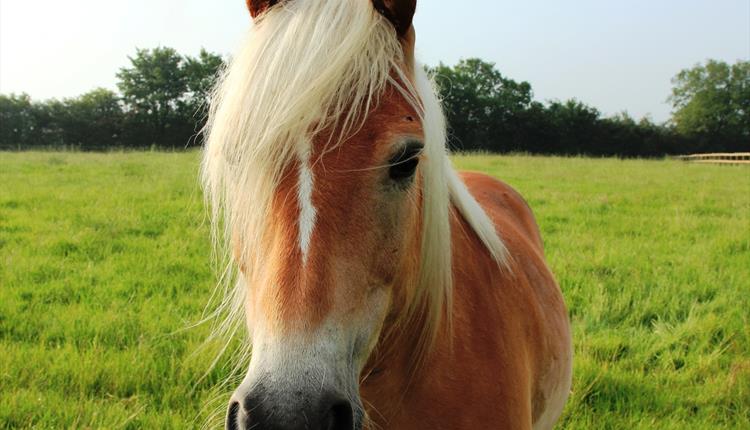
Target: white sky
x: 616, y: 56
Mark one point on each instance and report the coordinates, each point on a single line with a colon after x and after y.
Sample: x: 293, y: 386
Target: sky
x: 616, y: 56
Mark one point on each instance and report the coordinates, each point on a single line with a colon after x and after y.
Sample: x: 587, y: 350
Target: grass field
x: 104, y: 259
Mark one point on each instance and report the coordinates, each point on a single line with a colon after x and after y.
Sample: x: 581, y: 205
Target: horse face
x: 341, y: 247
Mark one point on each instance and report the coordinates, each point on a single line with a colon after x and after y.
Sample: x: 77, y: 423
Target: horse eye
x: 403, y: 166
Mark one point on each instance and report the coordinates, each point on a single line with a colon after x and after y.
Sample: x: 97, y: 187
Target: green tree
x: 481, y: 104
x: 152, y: 88
x: 17, y: 120
x: 577, y: 128
x: 712, y: 101
x: 165, y: 93
x: 201, y: 74
x: 91, y: 121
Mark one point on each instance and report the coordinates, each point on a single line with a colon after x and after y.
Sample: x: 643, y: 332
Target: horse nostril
x: 233, y: 416
x: 339, y: 417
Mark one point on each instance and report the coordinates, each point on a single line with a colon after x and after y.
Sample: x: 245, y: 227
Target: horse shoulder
x: 538, y: 301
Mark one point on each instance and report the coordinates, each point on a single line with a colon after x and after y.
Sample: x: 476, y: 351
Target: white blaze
x: 307, y: 212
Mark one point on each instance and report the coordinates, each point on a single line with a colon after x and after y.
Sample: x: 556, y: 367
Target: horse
x: 377, y: 287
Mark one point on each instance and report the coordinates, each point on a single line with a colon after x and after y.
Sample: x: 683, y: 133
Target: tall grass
x: 104, y: 261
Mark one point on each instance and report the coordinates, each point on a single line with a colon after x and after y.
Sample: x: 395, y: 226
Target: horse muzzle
x: 261, y: 409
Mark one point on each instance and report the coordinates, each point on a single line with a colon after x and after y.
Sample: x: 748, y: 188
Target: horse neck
x: 391, y: 375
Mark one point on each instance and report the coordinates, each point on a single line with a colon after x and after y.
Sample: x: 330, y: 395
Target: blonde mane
x: 307, y: 66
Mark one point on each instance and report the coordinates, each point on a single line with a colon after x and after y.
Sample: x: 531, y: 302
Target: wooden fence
x: 718, y: 158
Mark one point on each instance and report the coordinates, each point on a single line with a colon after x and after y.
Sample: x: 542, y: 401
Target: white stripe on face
x: 307, y: 211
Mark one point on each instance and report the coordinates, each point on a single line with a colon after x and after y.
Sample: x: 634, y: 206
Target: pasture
x: 105, y: 262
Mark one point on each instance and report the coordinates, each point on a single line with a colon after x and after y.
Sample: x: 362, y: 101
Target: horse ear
x: 399, y: 12
x: 257, y: 7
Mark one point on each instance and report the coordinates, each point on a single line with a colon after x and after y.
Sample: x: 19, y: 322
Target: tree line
x: 162, y: 104
x: 488, y: 111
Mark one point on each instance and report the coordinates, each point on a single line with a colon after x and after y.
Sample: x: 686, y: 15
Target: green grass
x: 104, y: 258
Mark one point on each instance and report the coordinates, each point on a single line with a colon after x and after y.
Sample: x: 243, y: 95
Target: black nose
x: 259, y: 411
x: 339, y: 416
